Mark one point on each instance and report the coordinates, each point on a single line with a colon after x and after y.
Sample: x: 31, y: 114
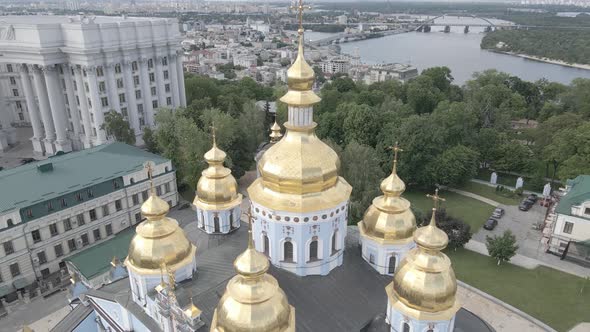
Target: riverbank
x: 544, y: 60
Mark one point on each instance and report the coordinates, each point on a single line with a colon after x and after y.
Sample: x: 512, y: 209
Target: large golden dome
x: 217, y: 189
x: 253, y: 300
x: 424, y: 286
x: 389, y: 220
x: 158, y: 240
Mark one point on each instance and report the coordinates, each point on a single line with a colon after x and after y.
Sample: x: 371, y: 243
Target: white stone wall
x: 301, y: 230
x: 379, y: 255
x: 397, y: 321
x: 219, y: 221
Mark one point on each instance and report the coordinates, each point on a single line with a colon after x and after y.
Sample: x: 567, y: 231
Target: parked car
x: 498, y: 213
x: 533, y: 198
x: 490, y: 224
x: 25, y: 161
x: 525, y: 205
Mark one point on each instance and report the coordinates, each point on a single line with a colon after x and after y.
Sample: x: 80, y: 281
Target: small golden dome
x: 158, y: 240
x: 275, y: 132
x: 300, y: 78
x: 217, y: 189
x: 253, y: 300
x: 425, y: 285
x: 389, y: 220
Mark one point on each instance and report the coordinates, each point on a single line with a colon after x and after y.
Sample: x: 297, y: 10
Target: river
x: 459, y: 51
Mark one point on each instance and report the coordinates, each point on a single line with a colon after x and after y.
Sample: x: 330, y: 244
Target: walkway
x: 475, y: 196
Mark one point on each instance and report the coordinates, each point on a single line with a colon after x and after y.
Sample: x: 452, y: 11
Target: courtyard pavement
x: 22, y: 149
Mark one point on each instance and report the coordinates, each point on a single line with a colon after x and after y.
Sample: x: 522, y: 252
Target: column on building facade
x: 34, y: 115
x: 67, y: 70
x: 180, y: 74
x: 146, y: 93
x: 160, y: 82
x: 96, y: 105
x: 45, y: 110
x: 87, y: 125
x: 112, y: 88
x: 174, y: 86
x: 58, y: 108
x: 133, y: 117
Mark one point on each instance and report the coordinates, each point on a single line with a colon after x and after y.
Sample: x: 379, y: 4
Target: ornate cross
x: 150, y: 170
x: 213, y: 133
x: 436, y: 198
x: 300, y: 8
x: 395, y: 149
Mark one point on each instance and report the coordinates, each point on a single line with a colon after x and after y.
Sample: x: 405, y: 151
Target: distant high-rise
x: 65, y: 73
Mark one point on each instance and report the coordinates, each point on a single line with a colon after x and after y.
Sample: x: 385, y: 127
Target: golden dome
x: 158, y: 240
x: 253, y: 300
x: 424, y: 286
x: 217, y: 189
x: 275, y: 132
x: 299, y: 173
x: 300, y: 78
x: 389, y: 220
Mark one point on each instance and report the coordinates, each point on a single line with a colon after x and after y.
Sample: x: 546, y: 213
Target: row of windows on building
x: 58, y: 249
x: 296, y: 219
x: 313, y: 248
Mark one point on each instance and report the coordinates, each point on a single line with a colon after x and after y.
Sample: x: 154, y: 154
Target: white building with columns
x: 61, y: 74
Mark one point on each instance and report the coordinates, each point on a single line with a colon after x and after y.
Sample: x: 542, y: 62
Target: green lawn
x: 470, y: 210
x: 488, y: 192
x: 549, y: 295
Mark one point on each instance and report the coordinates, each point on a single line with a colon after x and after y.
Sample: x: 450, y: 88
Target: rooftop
x: 70, y: 19
x: 578, y: 193
x: 96, y: 260
x: 36, y: 182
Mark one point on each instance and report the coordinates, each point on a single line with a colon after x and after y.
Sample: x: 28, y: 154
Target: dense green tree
x: 569, y: 152
x: 455, y: 166
x: 441, y: 78
x: 423, y: 95
x: 457, y: 230
x: 503, y: 247
x: 457, y: 122
x: 149, y: 140
x: 118, y: 128
x: 361, y: 124
x: 513, y: 157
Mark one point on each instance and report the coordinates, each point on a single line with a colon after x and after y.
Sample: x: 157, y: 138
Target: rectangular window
x: 124, y: 111
x: 15, y: 92
x: 153, y: 89
x: 118, y: 205
x: 42, y: 257
x: 121, y: 97
x: 120, y: 84
x: 78, y: 100
x: 116, y: 184
x: 93, y: 214
x: 19, y: 105
x: 118, y: 68
x: 144, y: 195
x: 49, y: 206
x: 80, y: 219
x: 72, y: 245
x: 14, y: 270
x: 152, y: 77
x: 135, y: 199
x: 12, y: 80
x: 140, y: 108
x: 141, y: 122
x: 9, y: 68
x: 85, y: 241
x: 36, y: 236
x: 30, y: 213
x: 102, y: 87
x: 167, y: 88
x: 67, y: 224
x: 63, y: 202
x: 587, y: 211
x: 166, y: 187
x: 165, y: 61
x: 150, y: 63
x: 169, y: 101
x: 137, y: 217
x: 8, y: 247
x: 105, y: 211
x: 86, y: 87
x: 109, y: 229
x: 134, y: 65
x: 96, y: 234
x: 90, y: 193
x: 154, y: 104
x: 53, y: 230
x: 137, y: 94
x: 165, y: 74
x: 104, y: 101
x: 59, y: 250
x: 158, y: 190
x: 79, y: 197
x: 568, y: 227
x: 99, y: 71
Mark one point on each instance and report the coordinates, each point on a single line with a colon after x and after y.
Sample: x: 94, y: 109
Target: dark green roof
x: 97, y: 259
x: 579, y: 192
x: 33, y: 183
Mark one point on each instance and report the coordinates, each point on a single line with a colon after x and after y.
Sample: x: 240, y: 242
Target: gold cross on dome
x: 436, y: 198
x: 395, y: 149
x: 300, y: 8
x: 150, y: 170
x: 213, y: 132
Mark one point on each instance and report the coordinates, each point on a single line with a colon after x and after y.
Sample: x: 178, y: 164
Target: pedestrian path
x: 507, y: 187
x: 518, y: 259
x: 475, y: 196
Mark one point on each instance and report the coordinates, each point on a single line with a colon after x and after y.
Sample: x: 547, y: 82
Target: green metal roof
x: 578, y: 193
x: 97, y: 259
x: 33, y: 183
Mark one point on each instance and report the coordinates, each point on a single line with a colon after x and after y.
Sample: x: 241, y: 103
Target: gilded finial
x: 300, y: 8
x: 395, y: 149
x: 148, y: 167
x: 436, y: 199
x: 213, y: 133
x: 250, y: 221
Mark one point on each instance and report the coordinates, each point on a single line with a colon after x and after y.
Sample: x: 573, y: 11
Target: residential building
x: 61, y: 74
x: 392, y: 71
x: 336, y: 65
x: 53, y: 209
x: 570, y: 219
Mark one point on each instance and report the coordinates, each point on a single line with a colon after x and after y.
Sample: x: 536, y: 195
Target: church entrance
x: 391, y: 265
